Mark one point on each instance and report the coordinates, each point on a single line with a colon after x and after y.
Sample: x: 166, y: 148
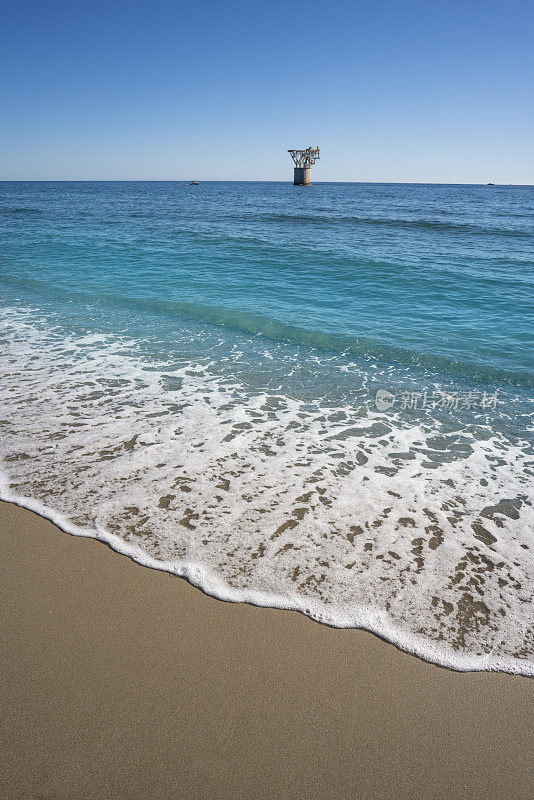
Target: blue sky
x: 390, y: 91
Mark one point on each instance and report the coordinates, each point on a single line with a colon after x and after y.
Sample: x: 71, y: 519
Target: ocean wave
x: 422, y: 223
x: 354, y: 517
x: 20, y: 210
x: 273, y: 329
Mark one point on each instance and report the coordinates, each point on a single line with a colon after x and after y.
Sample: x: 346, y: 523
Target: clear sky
x: 390, y: 91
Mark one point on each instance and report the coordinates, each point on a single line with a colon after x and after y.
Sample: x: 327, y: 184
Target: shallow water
x: 191, y: 374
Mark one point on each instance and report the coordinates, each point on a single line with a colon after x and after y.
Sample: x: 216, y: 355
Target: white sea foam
x: 354, y: 517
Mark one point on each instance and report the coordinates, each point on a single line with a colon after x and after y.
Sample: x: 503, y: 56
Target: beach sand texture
x: 120, y: 681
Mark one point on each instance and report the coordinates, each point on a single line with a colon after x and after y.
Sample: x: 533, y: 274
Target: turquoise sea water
x: 191, y: 374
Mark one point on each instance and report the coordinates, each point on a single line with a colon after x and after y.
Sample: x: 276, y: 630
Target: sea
x: 312, y: 398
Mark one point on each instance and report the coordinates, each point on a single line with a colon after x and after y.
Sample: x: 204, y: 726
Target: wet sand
x: 123, y: 682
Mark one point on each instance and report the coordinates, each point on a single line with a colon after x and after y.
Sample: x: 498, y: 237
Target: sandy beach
x: 120, y: 681
x: 266, y: 402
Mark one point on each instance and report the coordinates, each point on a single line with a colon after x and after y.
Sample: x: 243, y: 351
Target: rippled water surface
x: 191, y: 373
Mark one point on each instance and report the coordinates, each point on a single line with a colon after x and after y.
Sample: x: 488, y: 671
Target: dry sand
x: 123, y: 682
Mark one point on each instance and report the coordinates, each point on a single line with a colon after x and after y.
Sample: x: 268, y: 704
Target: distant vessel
x: 194, y: 183
x: 491, y: 184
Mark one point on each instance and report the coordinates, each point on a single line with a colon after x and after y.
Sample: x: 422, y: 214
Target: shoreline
x: 209, y: 584
x: 123, y: 681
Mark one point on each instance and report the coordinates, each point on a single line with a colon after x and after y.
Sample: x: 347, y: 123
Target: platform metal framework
x: 303, y: 160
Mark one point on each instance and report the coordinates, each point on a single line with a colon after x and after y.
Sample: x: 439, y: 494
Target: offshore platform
x: 304, y: 161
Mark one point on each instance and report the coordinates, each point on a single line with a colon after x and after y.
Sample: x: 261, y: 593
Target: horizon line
x: 245, y: 180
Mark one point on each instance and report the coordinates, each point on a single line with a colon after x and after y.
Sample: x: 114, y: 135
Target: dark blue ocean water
x: 439, y: 276
x: 206, y: 361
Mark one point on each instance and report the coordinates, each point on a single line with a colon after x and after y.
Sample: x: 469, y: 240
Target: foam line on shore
x: 204, y: 579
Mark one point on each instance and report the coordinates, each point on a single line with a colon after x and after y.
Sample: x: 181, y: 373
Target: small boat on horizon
x: 194, y: 183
